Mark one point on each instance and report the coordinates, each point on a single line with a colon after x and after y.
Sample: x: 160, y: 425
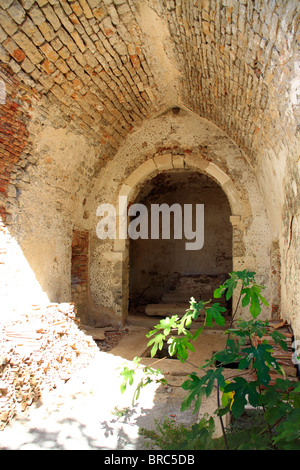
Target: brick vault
x: 97, y: 98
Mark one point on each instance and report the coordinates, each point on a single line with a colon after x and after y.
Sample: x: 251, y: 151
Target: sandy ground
x: 89, y: 412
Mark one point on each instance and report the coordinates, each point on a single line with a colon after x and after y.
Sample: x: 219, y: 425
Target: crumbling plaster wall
x: 287, y: 225
x: 278, y: 175
x: 277, y: 166
x: 107, y: 69
x: 47, y: 204
x: 200, y: 145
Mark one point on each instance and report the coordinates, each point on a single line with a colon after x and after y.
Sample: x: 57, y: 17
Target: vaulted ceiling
x: 108, y: 65
x: 78, y: 77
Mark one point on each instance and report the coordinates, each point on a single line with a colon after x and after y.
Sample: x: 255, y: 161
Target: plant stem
x: 235, y: 312
x: 221, y: 420
x: 188, y: 362
x: 268, y: 428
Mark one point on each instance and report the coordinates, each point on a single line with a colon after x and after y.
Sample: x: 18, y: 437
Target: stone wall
x: 188, y: 142
x: 89, y: 92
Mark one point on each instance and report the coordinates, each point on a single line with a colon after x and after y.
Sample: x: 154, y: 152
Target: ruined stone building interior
x: 158, y: 101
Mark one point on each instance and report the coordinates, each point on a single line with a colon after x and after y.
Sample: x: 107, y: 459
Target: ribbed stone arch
x: 167, y: 143
x: 169, y: 161
x: 166, y: 162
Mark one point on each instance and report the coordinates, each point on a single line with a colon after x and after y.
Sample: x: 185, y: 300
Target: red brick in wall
x: 13, y: 124
x: 79, y: 266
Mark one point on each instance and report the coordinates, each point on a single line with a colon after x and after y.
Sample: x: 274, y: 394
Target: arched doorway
x: 160, y: 147
x: 162, y: 272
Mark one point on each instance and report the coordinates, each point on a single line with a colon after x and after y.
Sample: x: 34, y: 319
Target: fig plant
x: 278, y: 403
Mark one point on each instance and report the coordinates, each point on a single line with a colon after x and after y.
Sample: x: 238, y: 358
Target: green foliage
x: 169, y: 435
x: 288, y: 431
x: 214, y: 313
x: 180, y: 347
x: 281, y: 402
x: 247, y: 433
x: 262, y: 360
x: 198, y: 387
x: 120, y: 412
x: 241, y: 390
x: 245, y: 347
x: 250, y: 291
x: 246, y: 329
x: 228, y: 355
x: 149, y: 375
x: 127, y: 377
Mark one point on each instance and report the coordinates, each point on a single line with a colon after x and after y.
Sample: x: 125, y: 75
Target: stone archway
x: 166, y: 162
x: 170, y: 143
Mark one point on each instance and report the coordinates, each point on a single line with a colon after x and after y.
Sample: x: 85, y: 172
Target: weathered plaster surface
x: 80, y: 86
x: 48, y: 203
x: 203, y: 146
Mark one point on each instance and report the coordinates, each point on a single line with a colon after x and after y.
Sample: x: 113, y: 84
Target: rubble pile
x: 37, y: 351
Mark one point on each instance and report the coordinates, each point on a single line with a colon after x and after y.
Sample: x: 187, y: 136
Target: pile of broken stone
x: 39, y: 350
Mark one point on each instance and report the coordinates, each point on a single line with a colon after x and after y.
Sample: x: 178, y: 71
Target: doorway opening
x: 163, y: 274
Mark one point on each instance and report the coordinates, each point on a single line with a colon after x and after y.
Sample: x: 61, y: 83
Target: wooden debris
x: 279, y: 325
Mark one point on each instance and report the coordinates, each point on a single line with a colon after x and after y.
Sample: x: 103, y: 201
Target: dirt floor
x: 89, y: 412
